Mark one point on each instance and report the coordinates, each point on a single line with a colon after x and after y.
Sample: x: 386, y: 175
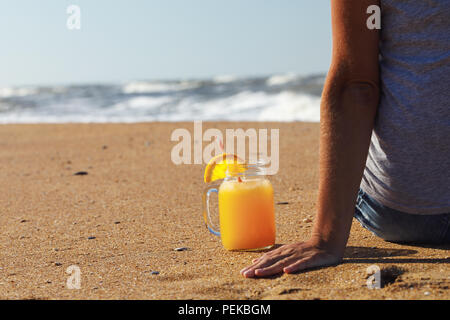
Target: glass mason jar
x: 246, y: 210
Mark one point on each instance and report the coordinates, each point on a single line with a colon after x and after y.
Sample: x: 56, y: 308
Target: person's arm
x: 348, y: 109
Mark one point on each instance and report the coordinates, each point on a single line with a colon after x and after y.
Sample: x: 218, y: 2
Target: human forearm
x: 348, y: 112
x: 347, y: 116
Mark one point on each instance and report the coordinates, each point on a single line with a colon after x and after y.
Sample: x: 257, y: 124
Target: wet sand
x: 121, y: 222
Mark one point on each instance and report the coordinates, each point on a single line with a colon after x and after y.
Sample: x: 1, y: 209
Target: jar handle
x: 206, y: 212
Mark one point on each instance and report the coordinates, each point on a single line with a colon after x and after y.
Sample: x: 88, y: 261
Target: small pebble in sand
x: 91, y: 238
x: 104, y: 147
x: 427, y: 293
x: 181, y: 249
x: 81, y: 173
x: 23, y: 220
x: 282, y: 203
x: 154, y: 273
x: 307, y: 220
x: 116, y: 222
x: 58, y: 264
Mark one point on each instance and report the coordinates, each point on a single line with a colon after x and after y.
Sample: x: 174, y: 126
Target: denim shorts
x: 395, y: 226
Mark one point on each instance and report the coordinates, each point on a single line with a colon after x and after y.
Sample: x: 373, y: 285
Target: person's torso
x: 408, y: 167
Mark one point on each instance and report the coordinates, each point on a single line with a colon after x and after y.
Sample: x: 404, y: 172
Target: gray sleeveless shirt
x: 408, y: 167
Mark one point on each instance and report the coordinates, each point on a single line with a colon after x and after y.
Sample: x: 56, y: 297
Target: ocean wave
x: 224, y: 79
x: 157, y: 87
x: 261, y: 106
x: 281, y: 79
x: 8, y: 92
x: 225, y: 98
x: 146, y: 103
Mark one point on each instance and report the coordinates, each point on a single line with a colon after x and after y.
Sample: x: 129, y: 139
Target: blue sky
x: 161, y: 39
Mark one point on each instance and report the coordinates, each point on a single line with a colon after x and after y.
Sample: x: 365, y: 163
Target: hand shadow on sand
x: 371, y: 255
x: 275, y: 246
x: 384, y: 255
x: 444, y: 247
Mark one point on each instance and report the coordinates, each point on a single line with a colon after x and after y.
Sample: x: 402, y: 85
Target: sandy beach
x: 121, y: 222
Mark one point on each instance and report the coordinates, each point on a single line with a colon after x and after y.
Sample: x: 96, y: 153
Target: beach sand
x: 124, y: 219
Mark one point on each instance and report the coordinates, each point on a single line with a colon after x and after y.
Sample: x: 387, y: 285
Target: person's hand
x: 291, y: 258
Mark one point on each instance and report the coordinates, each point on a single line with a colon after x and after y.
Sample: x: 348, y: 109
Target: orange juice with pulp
x: 247, y: 217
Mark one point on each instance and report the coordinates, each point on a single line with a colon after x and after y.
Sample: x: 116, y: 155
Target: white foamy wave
x: 292, y: 107
x: 249, y: 106
x: 143, y: 103
x: 278, y: 80
x: 244, y: 106
x: 157, y: 87
x: 224, y: 79
x: 7, y: 92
